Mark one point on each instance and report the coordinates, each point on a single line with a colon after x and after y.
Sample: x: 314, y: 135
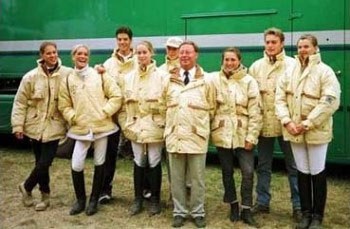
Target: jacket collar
x: 42, y: 66
x: 148, y: 69
x: 237, y: 74
x: 175, y: 77
x: 121, y: 58
x: 312, y: 59
x: 278, y: 58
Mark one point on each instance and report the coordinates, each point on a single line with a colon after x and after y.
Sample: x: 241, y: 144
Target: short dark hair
x: 124, y: 29
x: 194, y: 45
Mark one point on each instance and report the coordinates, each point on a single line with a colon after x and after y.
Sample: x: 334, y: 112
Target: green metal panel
x: 318, y: 15
x: 6, y: 108
x: 346, y: 76
x: 95, y: 19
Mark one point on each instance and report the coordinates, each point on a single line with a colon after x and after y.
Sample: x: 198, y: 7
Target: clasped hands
x: 295, y: 129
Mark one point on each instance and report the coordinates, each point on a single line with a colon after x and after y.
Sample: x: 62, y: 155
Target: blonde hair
x: 309, y: 37
x: 274, y: 31
x: 76, y: 47
x: 148, y: 45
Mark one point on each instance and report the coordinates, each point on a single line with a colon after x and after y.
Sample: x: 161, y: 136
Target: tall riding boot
x: 305, y: 192
x: 155, y: 175
x: 79, y: 188
x: 247, y: 217
x: 234, y: 214
x: 319, y: 183
x: 96, y: 190
x: 136, y: 207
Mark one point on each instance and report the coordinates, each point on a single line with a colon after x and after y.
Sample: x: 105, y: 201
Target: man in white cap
x: 172, y: 64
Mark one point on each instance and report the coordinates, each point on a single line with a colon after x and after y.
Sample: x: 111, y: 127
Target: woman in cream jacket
x: 145, y: 121
x: 306, y: 99
x: 35, y: 114
x: 235, y: 129
x: 88, y: 101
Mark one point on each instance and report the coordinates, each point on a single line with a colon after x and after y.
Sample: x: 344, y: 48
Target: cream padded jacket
x: 309, y: 97
x: 118, y: 68
x: 189, y: 112
x: 238, y: 115
x: 35, y: 108
x: 88, y: 103
x: 145, y: 113
x: 267, y: 74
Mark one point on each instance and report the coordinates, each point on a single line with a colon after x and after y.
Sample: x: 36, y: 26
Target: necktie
x: 187, y: 79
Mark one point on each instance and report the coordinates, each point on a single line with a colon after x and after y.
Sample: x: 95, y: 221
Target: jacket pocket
x: 151, y: 106
x: 131, y: 131
x: 308, y: 102
x: 158, y: 120
x: 32, y: 116
x: 219, y: 130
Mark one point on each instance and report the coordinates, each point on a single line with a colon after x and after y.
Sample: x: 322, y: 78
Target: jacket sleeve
x: 218, y: 90
x: 65, y: 105
x: 211, y: 95
x: 255, y: 117
x: 281, y: 105
x: 253, y: 69
x: 113, y: 93
x: 162, y: 99
x: 20, y: 104
x: 328, y: 103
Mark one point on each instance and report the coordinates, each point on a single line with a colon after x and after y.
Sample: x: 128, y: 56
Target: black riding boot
x: 96, y: 190
x: 305, y: 192
x: 79, y: 188
x: 247, y: 217
x: 155, y: 175
x: 234, y: 214
x: 319, y: 199
x: 136, y: 207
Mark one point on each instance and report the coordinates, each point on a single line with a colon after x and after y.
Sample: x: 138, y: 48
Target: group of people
x: 180, y: 107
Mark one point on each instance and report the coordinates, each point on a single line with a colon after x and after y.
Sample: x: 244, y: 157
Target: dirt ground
x: 15, y: 165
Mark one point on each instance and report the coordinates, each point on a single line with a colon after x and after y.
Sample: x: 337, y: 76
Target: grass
x: 15, y: 165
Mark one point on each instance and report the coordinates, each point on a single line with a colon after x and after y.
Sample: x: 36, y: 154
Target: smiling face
x: 273, y: 45
x: 230, y: 61
x: 306, y: 48
x: 81, y: 57
x: 124, y: 43
x: 144, y: 54
x: 49, y: 55
x: 188, y: 56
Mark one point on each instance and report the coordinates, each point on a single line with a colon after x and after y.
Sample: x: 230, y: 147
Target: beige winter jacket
x: 238, y: 116
x: 309, y: 97
x: 35, y: 111
x: 266, y: 72
x: 190, y: 109
x: 145, y: 114
x: 118, y: 68
x: 88, y: 102
x: 171, y: 66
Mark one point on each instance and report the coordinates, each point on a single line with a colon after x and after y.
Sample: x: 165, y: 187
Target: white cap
x: 174, y: 42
